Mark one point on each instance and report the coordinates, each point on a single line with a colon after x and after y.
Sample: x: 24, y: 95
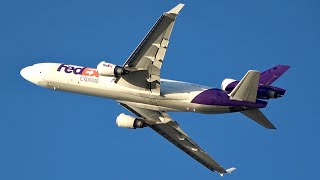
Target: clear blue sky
x: 47, y: 135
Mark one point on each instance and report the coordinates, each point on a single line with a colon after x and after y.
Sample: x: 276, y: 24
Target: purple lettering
x: 61, y: 66
x: 78, y: 70
x: 69, y: 69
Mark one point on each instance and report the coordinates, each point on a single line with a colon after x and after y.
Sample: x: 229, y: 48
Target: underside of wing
x: 169, y: 129
x: 145, y: 62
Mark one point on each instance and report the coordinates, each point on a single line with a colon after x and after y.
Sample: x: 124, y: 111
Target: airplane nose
x: 30, y: 75
x: 26, y: 73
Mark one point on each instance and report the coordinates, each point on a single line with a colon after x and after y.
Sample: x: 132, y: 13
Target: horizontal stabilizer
x: 269, y: 76
x: 259, y: 117
x: 247, y: 88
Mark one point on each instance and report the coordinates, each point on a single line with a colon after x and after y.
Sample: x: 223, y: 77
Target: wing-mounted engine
x: 228, y: 84
x: 108, y: 69
x: 126, y: 121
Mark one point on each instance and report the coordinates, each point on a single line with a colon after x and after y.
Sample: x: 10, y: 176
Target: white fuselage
x: 175, y: 95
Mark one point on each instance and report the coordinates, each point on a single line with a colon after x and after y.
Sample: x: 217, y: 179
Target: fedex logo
x: 84, y: 71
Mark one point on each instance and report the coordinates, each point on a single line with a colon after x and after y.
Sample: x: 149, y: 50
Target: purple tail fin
x: 271, y: 75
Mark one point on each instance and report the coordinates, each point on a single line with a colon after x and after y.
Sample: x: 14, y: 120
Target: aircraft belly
x: 172, y: 102
x: 209, y: 109
x: 186, y: 106
x: 108, y: 90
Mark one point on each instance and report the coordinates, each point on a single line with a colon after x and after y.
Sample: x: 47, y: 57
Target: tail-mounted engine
x: 108, y: 69
x: 267, y: 92
x: 126, y: 121
x: 264, y: 91
x: 226, y: 84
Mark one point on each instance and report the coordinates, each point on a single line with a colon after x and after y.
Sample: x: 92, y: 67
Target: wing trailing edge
x: 165, y: 126
x: 144, y: 63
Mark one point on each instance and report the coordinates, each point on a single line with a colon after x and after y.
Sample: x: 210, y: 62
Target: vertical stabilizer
x: 246, y: 89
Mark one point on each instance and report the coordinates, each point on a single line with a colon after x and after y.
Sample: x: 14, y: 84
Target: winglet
x: 229, y: 171
x: 176, y: 9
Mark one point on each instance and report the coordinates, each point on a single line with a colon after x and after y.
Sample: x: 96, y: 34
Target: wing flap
x: 164, y: 125
x: 188, y: 146
x: 150, y: 53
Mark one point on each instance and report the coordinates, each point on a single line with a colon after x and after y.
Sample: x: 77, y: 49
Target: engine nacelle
x: 270, y: 92
x: 108, y: 69
x: 225, y: 83
x: 273, y: 94
x: 264, y: 92
x: 126, y: 121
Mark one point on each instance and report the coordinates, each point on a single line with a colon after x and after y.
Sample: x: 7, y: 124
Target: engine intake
x: 108, y: 69
x: 225, y: 84
x: 126, y: 121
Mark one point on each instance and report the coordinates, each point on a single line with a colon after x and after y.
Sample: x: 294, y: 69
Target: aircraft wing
x: 144, y: 63
x: 169, y: 129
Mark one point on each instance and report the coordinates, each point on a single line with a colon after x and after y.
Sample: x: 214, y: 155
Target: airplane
x: 137, y: 86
